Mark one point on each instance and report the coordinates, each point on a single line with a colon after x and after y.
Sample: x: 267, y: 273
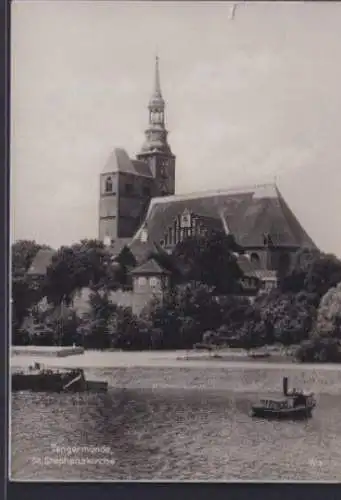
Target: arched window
x: 108, y: 185
x: 254, y: 257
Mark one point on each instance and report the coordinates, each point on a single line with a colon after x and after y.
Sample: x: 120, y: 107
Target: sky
x: 251, y: 98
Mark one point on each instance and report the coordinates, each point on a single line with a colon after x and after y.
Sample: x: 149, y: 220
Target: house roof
x: 41, y: 262
x: 141, y: 249
x: 247, y: 212
x: 151, y: 267
x: 119, y: 161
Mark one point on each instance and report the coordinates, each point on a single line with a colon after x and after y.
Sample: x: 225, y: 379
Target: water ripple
x: 171, y: 434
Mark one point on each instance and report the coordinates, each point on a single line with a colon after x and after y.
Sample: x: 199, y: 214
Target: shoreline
x: 162, y: 359
x: 155, y: 371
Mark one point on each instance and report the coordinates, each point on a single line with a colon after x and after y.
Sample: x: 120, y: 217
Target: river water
x: 169, y: 434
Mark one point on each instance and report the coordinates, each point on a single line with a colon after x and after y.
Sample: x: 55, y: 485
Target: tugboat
x: 294, y: 405
x: 40, y: 379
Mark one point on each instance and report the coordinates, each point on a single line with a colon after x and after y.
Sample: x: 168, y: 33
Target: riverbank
x: 50, y: 351
x: 172, y: 359
x: 177, y: 370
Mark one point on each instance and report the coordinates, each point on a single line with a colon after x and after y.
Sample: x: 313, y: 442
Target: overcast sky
x: 248, y: 99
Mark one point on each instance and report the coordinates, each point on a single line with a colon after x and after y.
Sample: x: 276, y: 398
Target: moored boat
x: 293, y: 405
x: 39, y: 379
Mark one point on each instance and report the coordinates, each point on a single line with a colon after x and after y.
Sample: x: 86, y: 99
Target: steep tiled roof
x: 41, y: 262
x: 119, y: 161
x: 150, y: 267
x: 248, y: 213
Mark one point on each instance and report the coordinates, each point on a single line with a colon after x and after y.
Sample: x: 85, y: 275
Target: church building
x: 138, y: 206
x: 140, y: 214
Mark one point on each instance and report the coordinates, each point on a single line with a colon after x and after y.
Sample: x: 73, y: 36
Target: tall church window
x: 108, y: 185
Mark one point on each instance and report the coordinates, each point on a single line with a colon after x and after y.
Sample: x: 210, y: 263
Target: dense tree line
x: 204, y: 303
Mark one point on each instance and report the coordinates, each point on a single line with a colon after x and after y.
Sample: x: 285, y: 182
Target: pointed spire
x: 156, y: 133
x: 157, y: 88
x: 157, y: 99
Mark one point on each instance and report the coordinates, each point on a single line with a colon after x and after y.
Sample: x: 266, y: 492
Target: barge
x: 293, y: 405
x: 40, y: 379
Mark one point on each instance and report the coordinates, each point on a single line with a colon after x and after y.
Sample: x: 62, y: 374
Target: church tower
x: 156, y: 151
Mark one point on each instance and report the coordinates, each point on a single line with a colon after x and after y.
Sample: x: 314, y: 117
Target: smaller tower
x: 156, y: 150
x: 150, y: 281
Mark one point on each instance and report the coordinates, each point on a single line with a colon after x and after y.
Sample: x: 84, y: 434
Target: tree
x: 314, y: 272
x: 23, y: 253
x: 24, y: 291
x: 210, y: 260
x: 323, y: 274
x: 319, y: 349
x: 184, y: 314
x: 85, y: 264
x: 95, y: 328
x: 328, y: 322
x: 107, y: 325
x: 285, y: 318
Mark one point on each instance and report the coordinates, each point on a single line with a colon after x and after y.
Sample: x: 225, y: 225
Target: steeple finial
x: 157, y: 88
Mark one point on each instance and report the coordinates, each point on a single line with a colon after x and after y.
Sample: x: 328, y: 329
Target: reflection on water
x: 168, y: 434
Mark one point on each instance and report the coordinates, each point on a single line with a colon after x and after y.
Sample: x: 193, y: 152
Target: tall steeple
x: 156, y: 133
x: 155, y: 150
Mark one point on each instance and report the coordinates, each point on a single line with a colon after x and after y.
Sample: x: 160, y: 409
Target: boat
x: 293, y: 405
x: 40, y: 379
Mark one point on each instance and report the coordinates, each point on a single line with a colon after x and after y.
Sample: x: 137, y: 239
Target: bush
x: 320, y: 350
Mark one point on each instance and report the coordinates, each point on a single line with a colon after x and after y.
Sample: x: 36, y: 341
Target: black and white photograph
x: 175, y: 242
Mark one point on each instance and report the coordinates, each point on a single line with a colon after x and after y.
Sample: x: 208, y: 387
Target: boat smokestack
x: 285, y: 386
